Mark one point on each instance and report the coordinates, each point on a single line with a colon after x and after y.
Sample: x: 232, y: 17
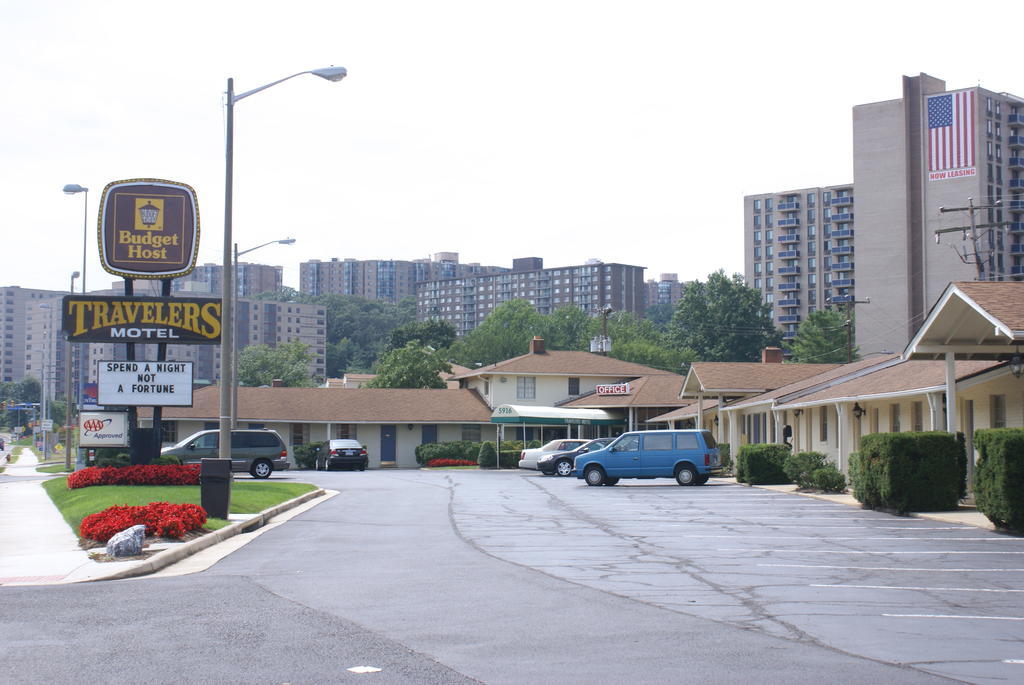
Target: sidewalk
x: 37, y: 546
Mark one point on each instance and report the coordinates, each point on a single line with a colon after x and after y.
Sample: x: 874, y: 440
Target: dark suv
x: 258, y: 451
x: 560, y: 463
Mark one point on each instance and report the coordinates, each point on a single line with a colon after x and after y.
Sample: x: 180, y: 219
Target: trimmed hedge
x: 907, y: 471
x: 488, y: 455
x: 455, y: 449
x: 999, y: 476
x: 799, y: 467
x: 160, y: 518
x: 828, y: 479
x: 762, y: 464
x: 305, y: 455
x: 140, y: 474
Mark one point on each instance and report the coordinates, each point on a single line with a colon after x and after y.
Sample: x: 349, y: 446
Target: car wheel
x: 366, y: 462
x: 563, y: 468
x: 594, y: 475
x: 686, y: 475
x: 611, y: 481
x: 261, y: 468
x: 701, y: 480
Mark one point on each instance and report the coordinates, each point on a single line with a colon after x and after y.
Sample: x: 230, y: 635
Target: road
x: 510, y: 577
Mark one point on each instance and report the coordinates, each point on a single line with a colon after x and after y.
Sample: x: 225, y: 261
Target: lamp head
x: 331, y: 73
x: 72, y: 188
x: 1016, y: 364
x: 287, y: 241
x: 74, y: 275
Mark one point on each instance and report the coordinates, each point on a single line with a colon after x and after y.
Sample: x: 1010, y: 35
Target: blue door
x: 623, y: 459
x: 429, y: 434
x: 387, y: 443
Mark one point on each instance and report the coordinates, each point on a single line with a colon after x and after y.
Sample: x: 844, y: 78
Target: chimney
x: 771, y: 355
x: 537, y: 345
x: 277, y: 383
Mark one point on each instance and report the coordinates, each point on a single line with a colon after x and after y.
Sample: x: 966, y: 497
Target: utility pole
x: 973, y: 227
x: 848, y: 324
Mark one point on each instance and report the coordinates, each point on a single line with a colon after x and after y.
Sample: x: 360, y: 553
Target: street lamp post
x: 72, y: 189
x: 234, y: 325
x: 227, y: 380
x: 44, y: 415
x: 67, y: 390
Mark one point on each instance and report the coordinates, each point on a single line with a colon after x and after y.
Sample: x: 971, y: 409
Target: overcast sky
x: 623, y: 131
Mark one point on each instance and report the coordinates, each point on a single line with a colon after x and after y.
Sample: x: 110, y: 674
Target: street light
x: 72, y: 189
x: 227, y: 379
x: 234, y: 326
x: 47, y: 327
x: 67, y: 389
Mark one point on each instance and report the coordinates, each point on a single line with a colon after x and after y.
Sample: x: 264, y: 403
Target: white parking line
x: 895, y: 568
x: 929, y: 589
x: 973, y: 618
x: 891, y: 538
x: 850, y: 551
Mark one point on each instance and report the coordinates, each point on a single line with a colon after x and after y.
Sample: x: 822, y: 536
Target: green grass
x: 246, y: 498
x: 54, y: 468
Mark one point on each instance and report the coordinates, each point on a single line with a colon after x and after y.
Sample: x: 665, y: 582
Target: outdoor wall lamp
x: 1016, y: 364
x: 858, y: 410
x: 798, y: 412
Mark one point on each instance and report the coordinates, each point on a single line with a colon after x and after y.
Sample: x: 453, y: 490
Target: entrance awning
x: 553, y: 416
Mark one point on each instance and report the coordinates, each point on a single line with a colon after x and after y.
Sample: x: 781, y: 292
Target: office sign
x: 613, y: 389
x: 180, y: 320
x: 149, y: 228
x: 103, y: 429
x: 147, y: 383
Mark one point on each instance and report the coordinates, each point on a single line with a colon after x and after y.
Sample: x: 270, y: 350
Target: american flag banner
x: 951, y: 138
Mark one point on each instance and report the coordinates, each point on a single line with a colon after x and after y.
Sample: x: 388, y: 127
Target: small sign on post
x: 147, y: 383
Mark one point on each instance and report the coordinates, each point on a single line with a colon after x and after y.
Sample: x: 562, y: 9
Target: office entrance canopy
x: 553, y: 416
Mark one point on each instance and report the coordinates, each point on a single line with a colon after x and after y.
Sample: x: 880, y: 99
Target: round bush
x: 829, y: 479
x: 799, y: 467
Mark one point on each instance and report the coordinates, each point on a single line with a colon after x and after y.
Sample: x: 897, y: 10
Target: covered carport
x: 971, y: 320
x: 594, y: 422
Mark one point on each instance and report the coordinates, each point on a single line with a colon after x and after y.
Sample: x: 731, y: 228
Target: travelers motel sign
x: 179, y: 320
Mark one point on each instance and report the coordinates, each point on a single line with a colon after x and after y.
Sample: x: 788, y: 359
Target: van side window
x: 630, y: 443
x: 239, y: 440
x: 208, y: 441
x: 658, y: 442
x: 687, y: 441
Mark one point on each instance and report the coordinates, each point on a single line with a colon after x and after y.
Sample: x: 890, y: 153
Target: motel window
x: 894, y: 418
x: 526, y: 388
x: 918, y: 416
x: 299, y: 433
x: 874, y: 420
x: 574, y: 386
x: 997, y: 411
x: 343, y: 431
x: 823, y: 424
x: 169, y: 431
x: 471, y: 432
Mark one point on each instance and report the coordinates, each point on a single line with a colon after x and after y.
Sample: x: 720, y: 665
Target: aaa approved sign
x: 155, y: 384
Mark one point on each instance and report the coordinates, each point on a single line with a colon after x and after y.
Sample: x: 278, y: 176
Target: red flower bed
x: 451, y: 462
x: 160, y: 518
x: 140, y: 474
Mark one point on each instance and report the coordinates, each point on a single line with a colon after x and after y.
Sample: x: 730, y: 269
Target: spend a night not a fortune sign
x: 145, y: 383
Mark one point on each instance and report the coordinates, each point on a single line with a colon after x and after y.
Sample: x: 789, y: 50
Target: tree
x: 288, y: 362
x: 412, y: 366
x: 639, y: 340
x: 660, y: 315
x: 504, y: 334
x: 569, y: 328
x: 723, y: 320
x: 436, y: 334
x: 821, y: 338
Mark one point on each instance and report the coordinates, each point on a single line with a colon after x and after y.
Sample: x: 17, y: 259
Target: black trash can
x: 215, y: 487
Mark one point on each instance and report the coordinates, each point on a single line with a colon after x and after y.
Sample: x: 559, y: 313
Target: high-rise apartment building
x: 933, y: 149
x: 798, y: 250
x: 666, y: 290
x: 253, y: 279
x: 389, y: 280
x: 19, y: 306
x: 929, y: 149
x: 466, y: 301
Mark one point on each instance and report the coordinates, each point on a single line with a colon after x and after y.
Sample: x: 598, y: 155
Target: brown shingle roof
x: 1002, y: 299
x: 646, y: 391
x: 686, y: 411
x: 832, y: 374
x: 751, y: 376
x: 567, y: 363
x: 340, y: 405
x: 904, y: 377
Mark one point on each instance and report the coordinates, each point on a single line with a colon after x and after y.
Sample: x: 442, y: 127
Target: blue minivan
x: 689, y: 456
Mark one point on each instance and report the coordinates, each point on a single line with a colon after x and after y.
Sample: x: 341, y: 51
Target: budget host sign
x: 181, y: 320
x: 149, y: 228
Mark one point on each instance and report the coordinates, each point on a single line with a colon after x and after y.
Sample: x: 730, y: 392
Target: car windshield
x: 188, y: 439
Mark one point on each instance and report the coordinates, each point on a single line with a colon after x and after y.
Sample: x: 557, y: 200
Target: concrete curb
x: 173, y: 555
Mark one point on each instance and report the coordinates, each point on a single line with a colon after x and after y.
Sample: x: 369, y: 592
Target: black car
x: 341, y: 453
x: 560, y: 463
